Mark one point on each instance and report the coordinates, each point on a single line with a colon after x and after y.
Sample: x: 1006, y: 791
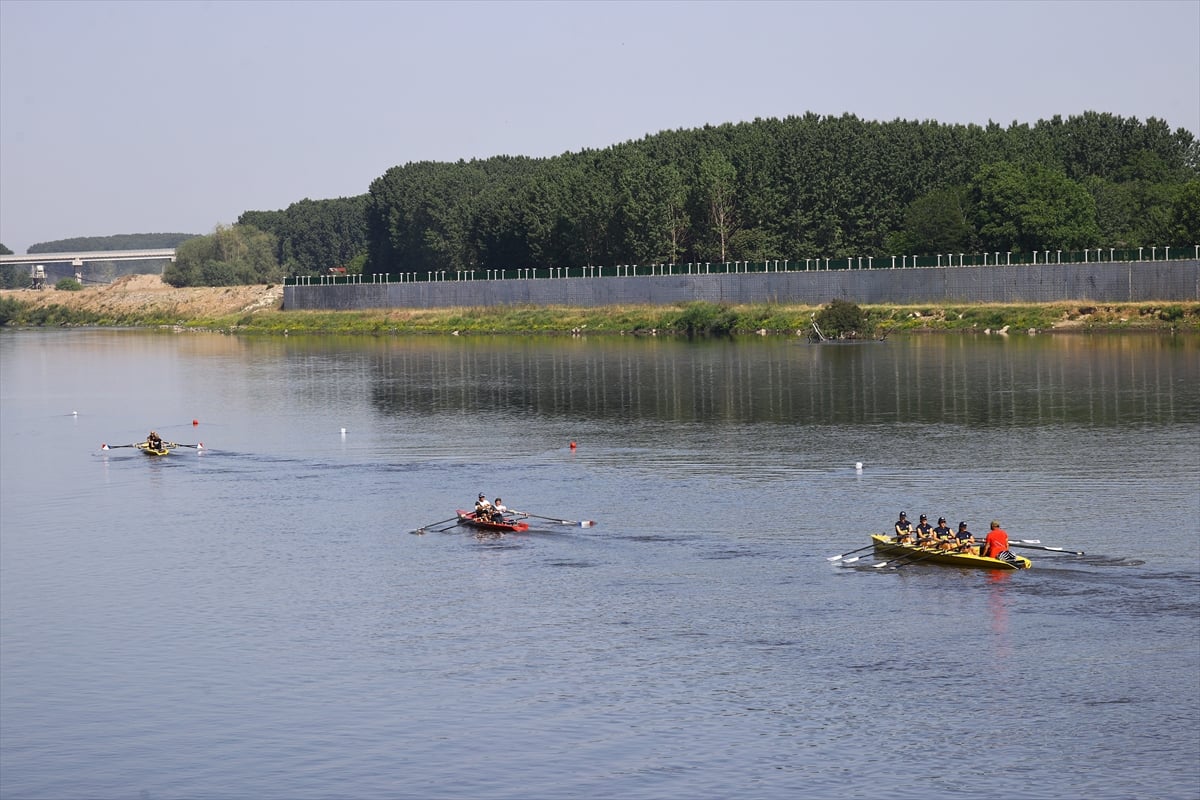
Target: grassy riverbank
x: 143, y: 301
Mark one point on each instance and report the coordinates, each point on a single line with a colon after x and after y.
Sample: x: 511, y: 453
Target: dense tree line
x: 11, y: 275
x: 232, y: 255
x: 794, y: 188
x: 123, y: 241
x: 311, y: 236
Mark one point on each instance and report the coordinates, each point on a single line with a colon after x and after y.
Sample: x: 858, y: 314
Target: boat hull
x: 885, y: 546
x: 153, y: 451
x: 468, y: 518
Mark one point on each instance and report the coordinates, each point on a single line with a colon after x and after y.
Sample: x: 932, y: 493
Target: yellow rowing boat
x: 910, y: 553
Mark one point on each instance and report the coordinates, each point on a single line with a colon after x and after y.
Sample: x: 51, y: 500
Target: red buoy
x: 195, y: 422
x: 572, y: 445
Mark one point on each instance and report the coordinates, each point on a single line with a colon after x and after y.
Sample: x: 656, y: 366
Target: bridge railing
x: 822, y: 264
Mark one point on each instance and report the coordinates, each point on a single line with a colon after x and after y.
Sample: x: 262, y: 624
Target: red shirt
x: 995, y: 543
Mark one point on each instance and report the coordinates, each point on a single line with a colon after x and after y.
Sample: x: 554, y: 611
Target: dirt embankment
x: 147, y: 294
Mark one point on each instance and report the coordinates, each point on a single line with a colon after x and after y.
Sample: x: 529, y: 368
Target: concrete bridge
x: 78, y: 259
x: 64, y: 264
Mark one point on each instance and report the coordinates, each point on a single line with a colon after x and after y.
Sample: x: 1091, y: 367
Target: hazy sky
x: 139, y: 117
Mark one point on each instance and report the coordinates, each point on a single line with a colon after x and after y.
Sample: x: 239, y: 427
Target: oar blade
x: 852, y: 552
x: 424, y: 528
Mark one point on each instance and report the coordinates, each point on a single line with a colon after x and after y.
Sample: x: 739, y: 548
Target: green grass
x: 699, y: 318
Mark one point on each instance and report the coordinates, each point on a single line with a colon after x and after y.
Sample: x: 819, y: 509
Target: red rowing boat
x: 511, y: 525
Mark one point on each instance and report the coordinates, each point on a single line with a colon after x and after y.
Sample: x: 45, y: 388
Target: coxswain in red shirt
x: 995, y: 543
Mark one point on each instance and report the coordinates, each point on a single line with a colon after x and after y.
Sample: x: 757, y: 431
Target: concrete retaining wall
x: 1114, y: 282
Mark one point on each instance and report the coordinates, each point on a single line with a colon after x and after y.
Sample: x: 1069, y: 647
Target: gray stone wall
x: 1114, y: 282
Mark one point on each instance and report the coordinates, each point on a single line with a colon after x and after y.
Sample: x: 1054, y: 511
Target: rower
x: 483, y: 509
x: 500, y: 510
x: 964, y: 538
x: 943, y: 534
x: 903, y: 529
x: 154, y: 441
x: 924, y: 532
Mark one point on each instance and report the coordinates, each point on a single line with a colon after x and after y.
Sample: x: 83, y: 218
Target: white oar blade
x: 587, y: 523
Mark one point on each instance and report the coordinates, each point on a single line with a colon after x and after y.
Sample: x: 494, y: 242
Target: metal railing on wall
x: 821, y: 264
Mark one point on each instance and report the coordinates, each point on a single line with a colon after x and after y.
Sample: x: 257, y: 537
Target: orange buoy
x: 195, y: 422
x: 572, y: 445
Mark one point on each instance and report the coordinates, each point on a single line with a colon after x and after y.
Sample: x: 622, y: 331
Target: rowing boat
x: 514, y: 526
x: 161, y: 450
x: 886, y: 545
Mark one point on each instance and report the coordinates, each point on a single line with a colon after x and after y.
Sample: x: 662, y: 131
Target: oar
x: 1044, y: 547
x: 922, y: 558
x: 586, y: 523
x: 843, y: 555
x: 905, y: 558
x: 199, y: 446
x: 116, y: 446
x: 424, y: 528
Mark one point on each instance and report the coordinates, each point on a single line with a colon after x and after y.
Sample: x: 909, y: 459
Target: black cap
x: 962, y: 524
x: 903, y: 514
x: 941, y: 519
x: 924, y: 517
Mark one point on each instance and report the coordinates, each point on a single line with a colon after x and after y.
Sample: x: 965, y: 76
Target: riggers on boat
x: 886, y: 545
x: 160, y: 450
x: 513, y: 526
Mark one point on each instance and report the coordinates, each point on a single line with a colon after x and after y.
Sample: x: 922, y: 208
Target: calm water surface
x: 257, y: 620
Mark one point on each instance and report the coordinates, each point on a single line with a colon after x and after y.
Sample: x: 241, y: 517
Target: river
x: 257, y: 619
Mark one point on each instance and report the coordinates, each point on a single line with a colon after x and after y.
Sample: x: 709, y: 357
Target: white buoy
x: 858, y: 466
x: 343, y: 431
x: 74, y: 413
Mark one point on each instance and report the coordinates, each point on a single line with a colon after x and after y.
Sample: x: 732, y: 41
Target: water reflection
x: 1015, y: 381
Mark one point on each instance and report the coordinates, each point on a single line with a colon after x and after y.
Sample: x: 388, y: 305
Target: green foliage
x: 937, y: 223
x: 1185, y: 215
x: 9, y: 309
x: 47, y: 316
x: 14, y: 276
x: 1171, y: 313
x: 68, y: 285
x: 1032, y: 209
x: 356, y: 265
x: 4, y: 251
x: 718, y: 187
x: 841, y: 319
x: 784, y: 189
x: 125, y: 241
x: 232, y: 255
x: 314, y: 235
x: 703, y: 318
